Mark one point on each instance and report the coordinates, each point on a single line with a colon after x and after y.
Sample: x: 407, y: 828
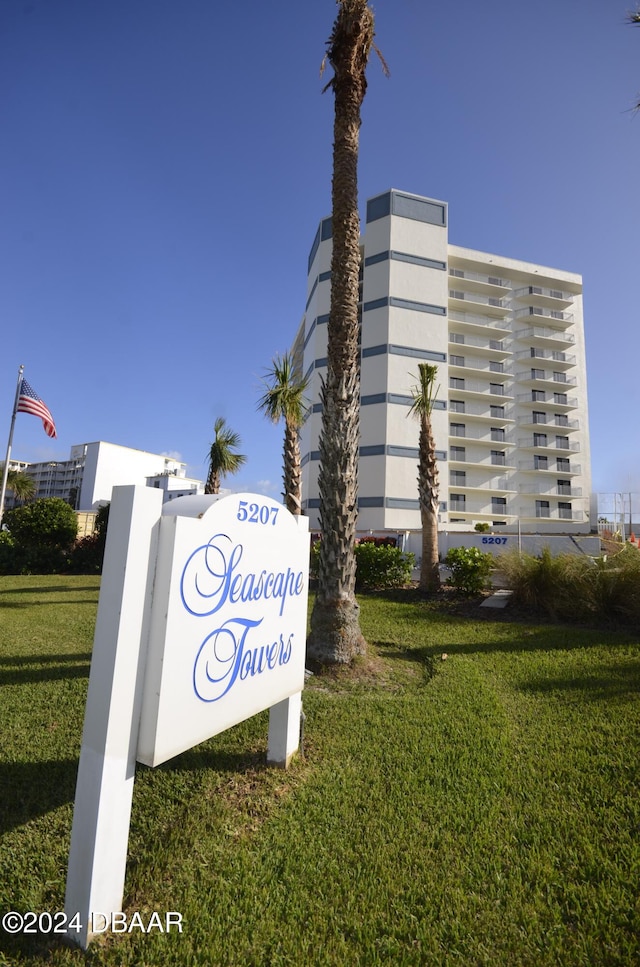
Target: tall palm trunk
x: 335, y: 628
x: 429, y: 501
x: 292, y: 468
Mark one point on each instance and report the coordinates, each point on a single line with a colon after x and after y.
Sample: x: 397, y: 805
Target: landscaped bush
x: 43, y: 533
x: 378, y: 565
x: 382, y: 566
x: 7, y: 553
x: 470, y: 568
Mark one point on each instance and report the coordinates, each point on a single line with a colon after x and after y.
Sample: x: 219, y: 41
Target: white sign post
x: 201, y: 625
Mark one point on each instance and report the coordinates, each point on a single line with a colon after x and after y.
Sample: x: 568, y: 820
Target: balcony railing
x: 480, y: 507
x: 543, y: 491
x: 534, y: 420
x: 476, y: 277
x: 543, y: 291
x: 526, y: 466
x: 493, y: 483
x: 471, y: 433
x: 560, y: 514
x: 541, y: 332
x: 473, y: 319
x: 571, y: 401
x: 472, y: 342
x: 471, y: 386
x: 555, y: 315
x: 479, y: 411
x: 551, y: 354
x: 530, y: 443
x: 482, y: 300
x: 560, y: 379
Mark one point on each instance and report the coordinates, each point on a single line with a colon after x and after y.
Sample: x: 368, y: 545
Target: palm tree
x: 428, y: 487
x: 20, y: 484
x: 283, y: 399
x: 335, y: 628
x: 634, y: 18
x: 222, y: 456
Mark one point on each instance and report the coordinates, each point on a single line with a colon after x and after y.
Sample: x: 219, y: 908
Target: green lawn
x: 481, y: 809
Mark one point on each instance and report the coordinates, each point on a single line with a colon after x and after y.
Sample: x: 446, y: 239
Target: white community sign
x: 201, y: 624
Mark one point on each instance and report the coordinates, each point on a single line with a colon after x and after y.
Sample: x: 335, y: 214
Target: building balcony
x: 470, y: 322
x: 557, y: 514
x: 472, y: 464
x: 479, y: 281
x: 564, y: 403
x: 543, y: 489
x: 550, y: 422
x: 545, y: 379
x: 484, y: 347
x: 559, y: 359
x: 488, y: 390
x: 480, y: 367
x: 478, y: 508
x: 531, y: 466
x: 552, y: 317
x: 528, y: 443
x: 497, y: 415
x: 495, y: 484
x: 544, y: 296
x: 491, y: 305
x: 540, y: 335
x: 461, y: 431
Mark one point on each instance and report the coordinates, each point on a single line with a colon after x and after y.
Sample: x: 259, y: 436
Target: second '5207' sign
x: 228, y: 619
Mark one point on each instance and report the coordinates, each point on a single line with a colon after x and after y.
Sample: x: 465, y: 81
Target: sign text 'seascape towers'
x: 201, y: 624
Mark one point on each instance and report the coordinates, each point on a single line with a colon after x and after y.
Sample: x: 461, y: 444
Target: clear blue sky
x: 165, y: 163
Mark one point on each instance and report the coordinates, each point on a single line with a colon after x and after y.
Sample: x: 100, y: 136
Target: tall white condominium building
x: 510, y: 417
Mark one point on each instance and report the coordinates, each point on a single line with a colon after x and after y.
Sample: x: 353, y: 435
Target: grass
x: 478, y: 809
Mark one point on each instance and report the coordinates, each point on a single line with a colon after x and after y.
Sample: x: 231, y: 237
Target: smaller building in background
x: 87, y: 478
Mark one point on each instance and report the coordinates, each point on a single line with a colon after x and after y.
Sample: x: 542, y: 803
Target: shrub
x: 87, y: 555
x: 378, y: 565
x: 381, y: 566
x: 470, y: 568
x: 482, y: 527
x: 7, y: 553
x: 43, y: 533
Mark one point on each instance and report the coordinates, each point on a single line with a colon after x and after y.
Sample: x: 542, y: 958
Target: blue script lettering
x: 225, y: 657
x: 212, y: 576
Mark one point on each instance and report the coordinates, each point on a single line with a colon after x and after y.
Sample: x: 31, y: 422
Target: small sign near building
x: 201, y: 624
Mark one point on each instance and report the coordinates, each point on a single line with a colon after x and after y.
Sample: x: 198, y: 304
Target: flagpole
x: 5, y: 473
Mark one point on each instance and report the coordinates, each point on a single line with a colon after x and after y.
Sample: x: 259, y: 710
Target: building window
x: 560, y: 377
x: 539, y: 439
x: 496, y: 367
x: 497, y: 434
x: 457, y: 429
x: 562, y: 442
x: 496, y: 410
x: 540, y: 463
x: 458, y: 478
x: 456, y: 360
x: 538, y: 395
x: 537, y: 374
x: 561, y: 419
x: 564, y: 510
x: 498, y: 458
x: 496, y: 388
x: 456, y: 383
x: 560, y: 398
x: 457, y: 501
x: 564, y: 487
x: 563, y: 463
x: 542, y: 508
x: 539, y: 416
x: 456, y: 406
x: 458, y: 453
x: 456, y: 337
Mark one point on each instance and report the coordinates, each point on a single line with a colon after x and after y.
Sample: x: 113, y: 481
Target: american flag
x: 30, y: 402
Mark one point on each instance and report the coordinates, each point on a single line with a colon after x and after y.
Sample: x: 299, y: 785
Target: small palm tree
x: 428, y: 488
x: 283, y: 399
x: 20, y: 484
x: 223, y: 457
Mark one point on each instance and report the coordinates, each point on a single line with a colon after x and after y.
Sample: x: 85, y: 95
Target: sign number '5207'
x: 257, y: 513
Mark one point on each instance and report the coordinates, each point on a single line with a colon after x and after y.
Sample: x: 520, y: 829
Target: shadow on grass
x: 612, y: 681
x: 27, y: 669
x: 49, y: 589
